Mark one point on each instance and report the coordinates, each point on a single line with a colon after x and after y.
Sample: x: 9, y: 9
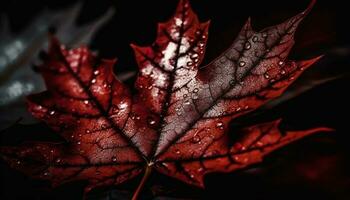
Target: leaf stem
x: 147, y: 173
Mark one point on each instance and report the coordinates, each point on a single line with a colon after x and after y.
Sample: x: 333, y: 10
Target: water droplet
x: 46, y: 173
x: 220, y: 125
x: 86, y: 102
x: 51, y: 151
x: 238, y: 146
x: 195, y: 139
x: 190, y: 63
x: 187, y: 102
x: 241, y: 63
x: 194, y: 56
x: 96, y: 72
x: 195, y: 96
x: 93, y: 80
x: 201, y: 45
x: 151, y: 121
x: 238, y: 109
x: 280, y: 63
x: 272, y: 80
x: 259, y: 144
x: 204, y: 36
x: 78, y: 143
x: 114, y: 159
x: 301, y: 68
x: 195, y: 90
x: 198, y: 32
x: 18, y: 162
x: 283, y: 72
x: 291, y: 78
x: 52, y: 112
x: 247, y: 45
x: 266, y: 75
x: 177, y: 151
x: 192, y: 175
x: 264, y: 35
x: 58, y: 160
x: 246, y: 107
x: 196, y: 60
x: 80, y: 135
x: 236, y: 158
x: 255, y: 38
x: 200, y: 170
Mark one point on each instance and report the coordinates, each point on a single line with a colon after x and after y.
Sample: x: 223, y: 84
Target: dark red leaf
x: 177, y: 122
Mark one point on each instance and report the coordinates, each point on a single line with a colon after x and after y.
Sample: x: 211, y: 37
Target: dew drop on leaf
x: 194, y: 56
x: 151, y: 121
x: 195, y: 139
x: 241, y: 63
x: 266, y: 75
x: 247, y: 45
x: 220, y: 125
x: 259, y: 144
x: 177, y: 151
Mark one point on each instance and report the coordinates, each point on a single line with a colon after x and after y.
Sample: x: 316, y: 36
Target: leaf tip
x: 309, y: 62
x: 309, y: 7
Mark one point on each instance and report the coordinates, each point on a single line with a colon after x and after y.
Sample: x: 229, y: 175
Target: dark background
x: 316, y: 167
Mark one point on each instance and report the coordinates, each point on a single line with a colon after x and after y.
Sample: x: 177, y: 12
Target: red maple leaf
x: 176, y: 123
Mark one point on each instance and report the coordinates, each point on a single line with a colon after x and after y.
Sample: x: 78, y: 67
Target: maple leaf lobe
x: 177, y: 121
